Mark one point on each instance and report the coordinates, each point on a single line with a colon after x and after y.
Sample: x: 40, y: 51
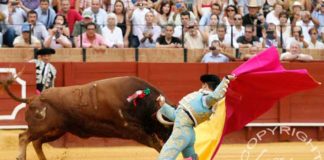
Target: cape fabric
x: 260, y: 82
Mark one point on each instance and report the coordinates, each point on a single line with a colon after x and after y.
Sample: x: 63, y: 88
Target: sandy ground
x: 252, y: 151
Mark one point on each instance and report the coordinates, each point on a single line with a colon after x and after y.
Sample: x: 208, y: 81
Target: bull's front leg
x: 24, y: 139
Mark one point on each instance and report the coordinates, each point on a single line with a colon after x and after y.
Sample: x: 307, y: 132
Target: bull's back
x: 102, y: 99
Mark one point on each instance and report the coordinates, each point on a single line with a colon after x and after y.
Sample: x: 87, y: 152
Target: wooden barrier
x: 163, y: 55
x: 110, y: 55
x: 168, y: 55
x: 67, y: 55
x: 16, y: 54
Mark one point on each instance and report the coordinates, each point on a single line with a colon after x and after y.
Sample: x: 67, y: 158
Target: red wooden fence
x: 176, y: 80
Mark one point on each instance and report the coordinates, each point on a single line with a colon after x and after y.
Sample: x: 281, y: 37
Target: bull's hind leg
x: 24, y: 139
x: 48, y: 137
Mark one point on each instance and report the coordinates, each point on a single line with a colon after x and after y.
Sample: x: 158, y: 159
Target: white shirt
x: 194, y: 42
x: 226, y: 40
x: 156, y: 31
x: 305, y: 28
x: 317, y: 45
x: 271, y: 18
x: 99, y: 18
x: 113, y: 37
x: 236, y: 32
x: 20, y: 40
x: 17, y: 19
x: 210, y: 58
x: 55, y: 45
x: 138, y: 20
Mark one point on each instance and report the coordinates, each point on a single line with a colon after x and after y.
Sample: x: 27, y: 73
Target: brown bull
x: 97, y: 109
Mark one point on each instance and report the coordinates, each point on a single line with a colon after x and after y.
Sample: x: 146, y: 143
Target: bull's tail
x: 6, y: 82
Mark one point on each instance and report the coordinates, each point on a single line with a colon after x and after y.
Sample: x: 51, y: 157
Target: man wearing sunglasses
x: 214, y: 55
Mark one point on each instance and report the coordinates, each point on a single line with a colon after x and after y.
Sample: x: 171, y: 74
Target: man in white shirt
x: 38, y: 29
x: 273, y: 16
x: 314, y: 43
x: 15, y: 16
x: 221, y: 36
x: 26, y: 40
x: 138, y: 22
x: 45, y: 13
x: 214, y: 55
x: 99, y: 15
x: 306, y: 24
x: 151, y: 32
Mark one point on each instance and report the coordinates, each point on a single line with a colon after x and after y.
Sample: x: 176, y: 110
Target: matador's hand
x: 221, y: 89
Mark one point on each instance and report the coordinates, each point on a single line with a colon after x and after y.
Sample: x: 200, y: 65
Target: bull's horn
x: 161, y: 119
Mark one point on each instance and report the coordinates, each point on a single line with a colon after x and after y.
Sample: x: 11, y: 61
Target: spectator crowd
x: 192, y: 24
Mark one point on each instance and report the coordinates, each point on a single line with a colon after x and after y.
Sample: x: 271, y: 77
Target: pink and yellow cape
x: 260, y: 83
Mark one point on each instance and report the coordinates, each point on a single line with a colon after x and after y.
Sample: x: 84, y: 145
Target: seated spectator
x: 253, y: 51
x: 194, y: 38
x: 60, y: 20
x: 185, y: 19
x: 26, y: 40
x: 45, y: 13
x: 80, y: 27
x: 284, y: 29
x: 214, y: 55
x: 295, y: 54
x: 99, y: 15
x: 314, y: 43
x: 91, y: 39
x: 297, y: 35
x: 306, y: 24
x: 123, y: 19
x: 71, y: 15
x: 221, y: 36
x: 151, y: 32
x: 57, y: 39
x: 270, y: 37
x: 228, y: 17
x: 216, y: 9
x: 247, y: 40
x: 177, y: 14
x: 164, y: 14
x: 111, y: 33
x: 235, y: 31
x: 273, y: 16
x: 212, y: 25
x: 168, y: 41
x: 15, y: 16
x: 38, y: 29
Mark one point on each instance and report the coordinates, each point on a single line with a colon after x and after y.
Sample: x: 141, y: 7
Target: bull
x: 98, y: 109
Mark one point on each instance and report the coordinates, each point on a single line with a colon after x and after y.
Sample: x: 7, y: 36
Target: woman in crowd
x: 212, y: 25
x: 111, y: 33
x: 122, y: 20
x: 164, y: 14
x: 60, y: 20
x: 284, y: 29
x: 228, y: 18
